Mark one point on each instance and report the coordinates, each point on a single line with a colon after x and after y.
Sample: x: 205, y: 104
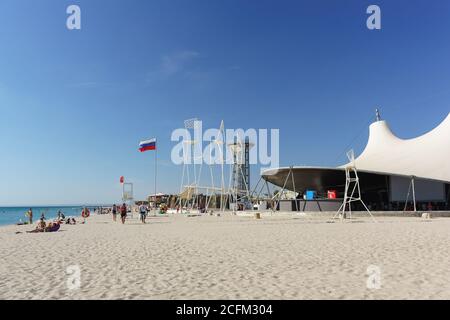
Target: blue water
x: 12, y: 215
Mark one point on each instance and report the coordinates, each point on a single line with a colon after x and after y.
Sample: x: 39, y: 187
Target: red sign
x: 331, y: 194
x: 122, y: 179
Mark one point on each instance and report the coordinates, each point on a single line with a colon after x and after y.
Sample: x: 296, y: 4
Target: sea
x: 14, y: 215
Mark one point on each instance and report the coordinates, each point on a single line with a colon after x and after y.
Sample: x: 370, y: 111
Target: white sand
x: 229, y: 258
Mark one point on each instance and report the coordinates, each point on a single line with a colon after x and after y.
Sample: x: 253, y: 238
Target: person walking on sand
x: 29, y: 214
x: 123, y: 212
x: 142, y: 212
x: 85, y: 213
x: 114, y: 212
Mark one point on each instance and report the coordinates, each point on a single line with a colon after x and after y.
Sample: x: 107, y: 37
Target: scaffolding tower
x: 240, y: 179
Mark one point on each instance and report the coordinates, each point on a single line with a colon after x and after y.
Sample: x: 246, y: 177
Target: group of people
x: 29, y: 215
x: 123, y: 211
x: 62, y: 218
x: 54, y: 225
x: 42, y: 226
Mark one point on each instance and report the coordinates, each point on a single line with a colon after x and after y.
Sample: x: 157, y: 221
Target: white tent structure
x: 391, y: 170
x: 427, y: 156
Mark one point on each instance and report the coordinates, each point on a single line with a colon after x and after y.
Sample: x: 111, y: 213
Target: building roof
x: 158, y: 195
x: 427, y: 156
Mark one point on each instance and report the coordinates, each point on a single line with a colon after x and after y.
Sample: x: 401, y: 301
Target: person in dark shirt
x: 114, y: 212
x: 61, y: 215
x: 123, y: 213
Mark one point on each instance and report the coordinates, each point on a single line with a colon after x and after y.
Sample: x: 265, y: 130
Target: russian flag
x: 147, y: 145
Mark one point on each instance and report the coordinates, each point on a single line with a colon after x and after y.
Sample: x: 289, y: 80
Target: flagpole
x: 156, y: 169
x: 151, y: 145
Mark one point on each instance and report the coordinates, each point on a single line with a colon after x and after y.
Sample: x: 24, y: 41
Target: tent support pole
x: 414, y: 193
x: 295, y: 193
x: 279, y: 195
x: 407, y: 196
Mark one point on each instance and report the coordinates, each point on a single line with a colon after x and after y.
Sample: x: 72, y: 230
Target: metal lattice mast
x: 352, y: 189
x: 240, y: 171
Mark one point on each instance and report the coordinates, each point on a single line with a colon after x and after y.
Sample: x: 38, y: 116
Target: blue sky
x: 74, y: 104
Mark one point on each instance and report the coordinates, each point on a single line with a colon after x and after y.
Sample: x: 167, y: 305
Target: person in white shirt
x: 142, y: 212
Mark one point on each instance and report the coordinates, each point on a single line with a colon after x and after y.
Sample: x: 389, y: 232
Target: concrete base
x: 323, y: 205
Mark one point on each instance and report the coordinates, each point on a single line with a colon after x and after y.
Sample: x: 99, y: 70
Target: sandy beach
x: 229, y: 257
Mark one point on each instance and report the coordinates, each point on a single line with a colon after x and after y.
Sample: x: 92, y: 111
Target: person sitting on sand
x: 71, y: 220
x: 48, y: 227
x: 123, y: 213
x: 40, y: 227
x: 52, y: 227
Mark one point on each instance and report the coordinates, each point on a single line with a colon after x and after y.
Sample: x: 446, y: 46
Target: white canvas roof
x: 427, y: 156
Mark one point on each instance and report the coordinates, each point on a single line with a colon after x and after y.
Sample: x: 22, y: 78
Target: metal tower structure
x: 194, y: 188
x: 352, y: 189
x: 240, y: 179
x: 188, y: 181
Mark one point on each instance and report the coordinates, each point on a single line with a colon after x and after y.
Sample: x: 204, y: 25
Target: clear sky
x: 75, y: 104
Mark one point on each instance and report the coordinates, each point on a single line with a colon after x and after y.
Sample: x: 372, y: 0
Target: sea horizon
x: 10, y: 215
x: 57, y: 205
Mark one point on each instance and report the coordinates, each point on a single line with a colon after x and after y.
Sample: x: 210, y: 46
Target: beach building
x: 394, y: 173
